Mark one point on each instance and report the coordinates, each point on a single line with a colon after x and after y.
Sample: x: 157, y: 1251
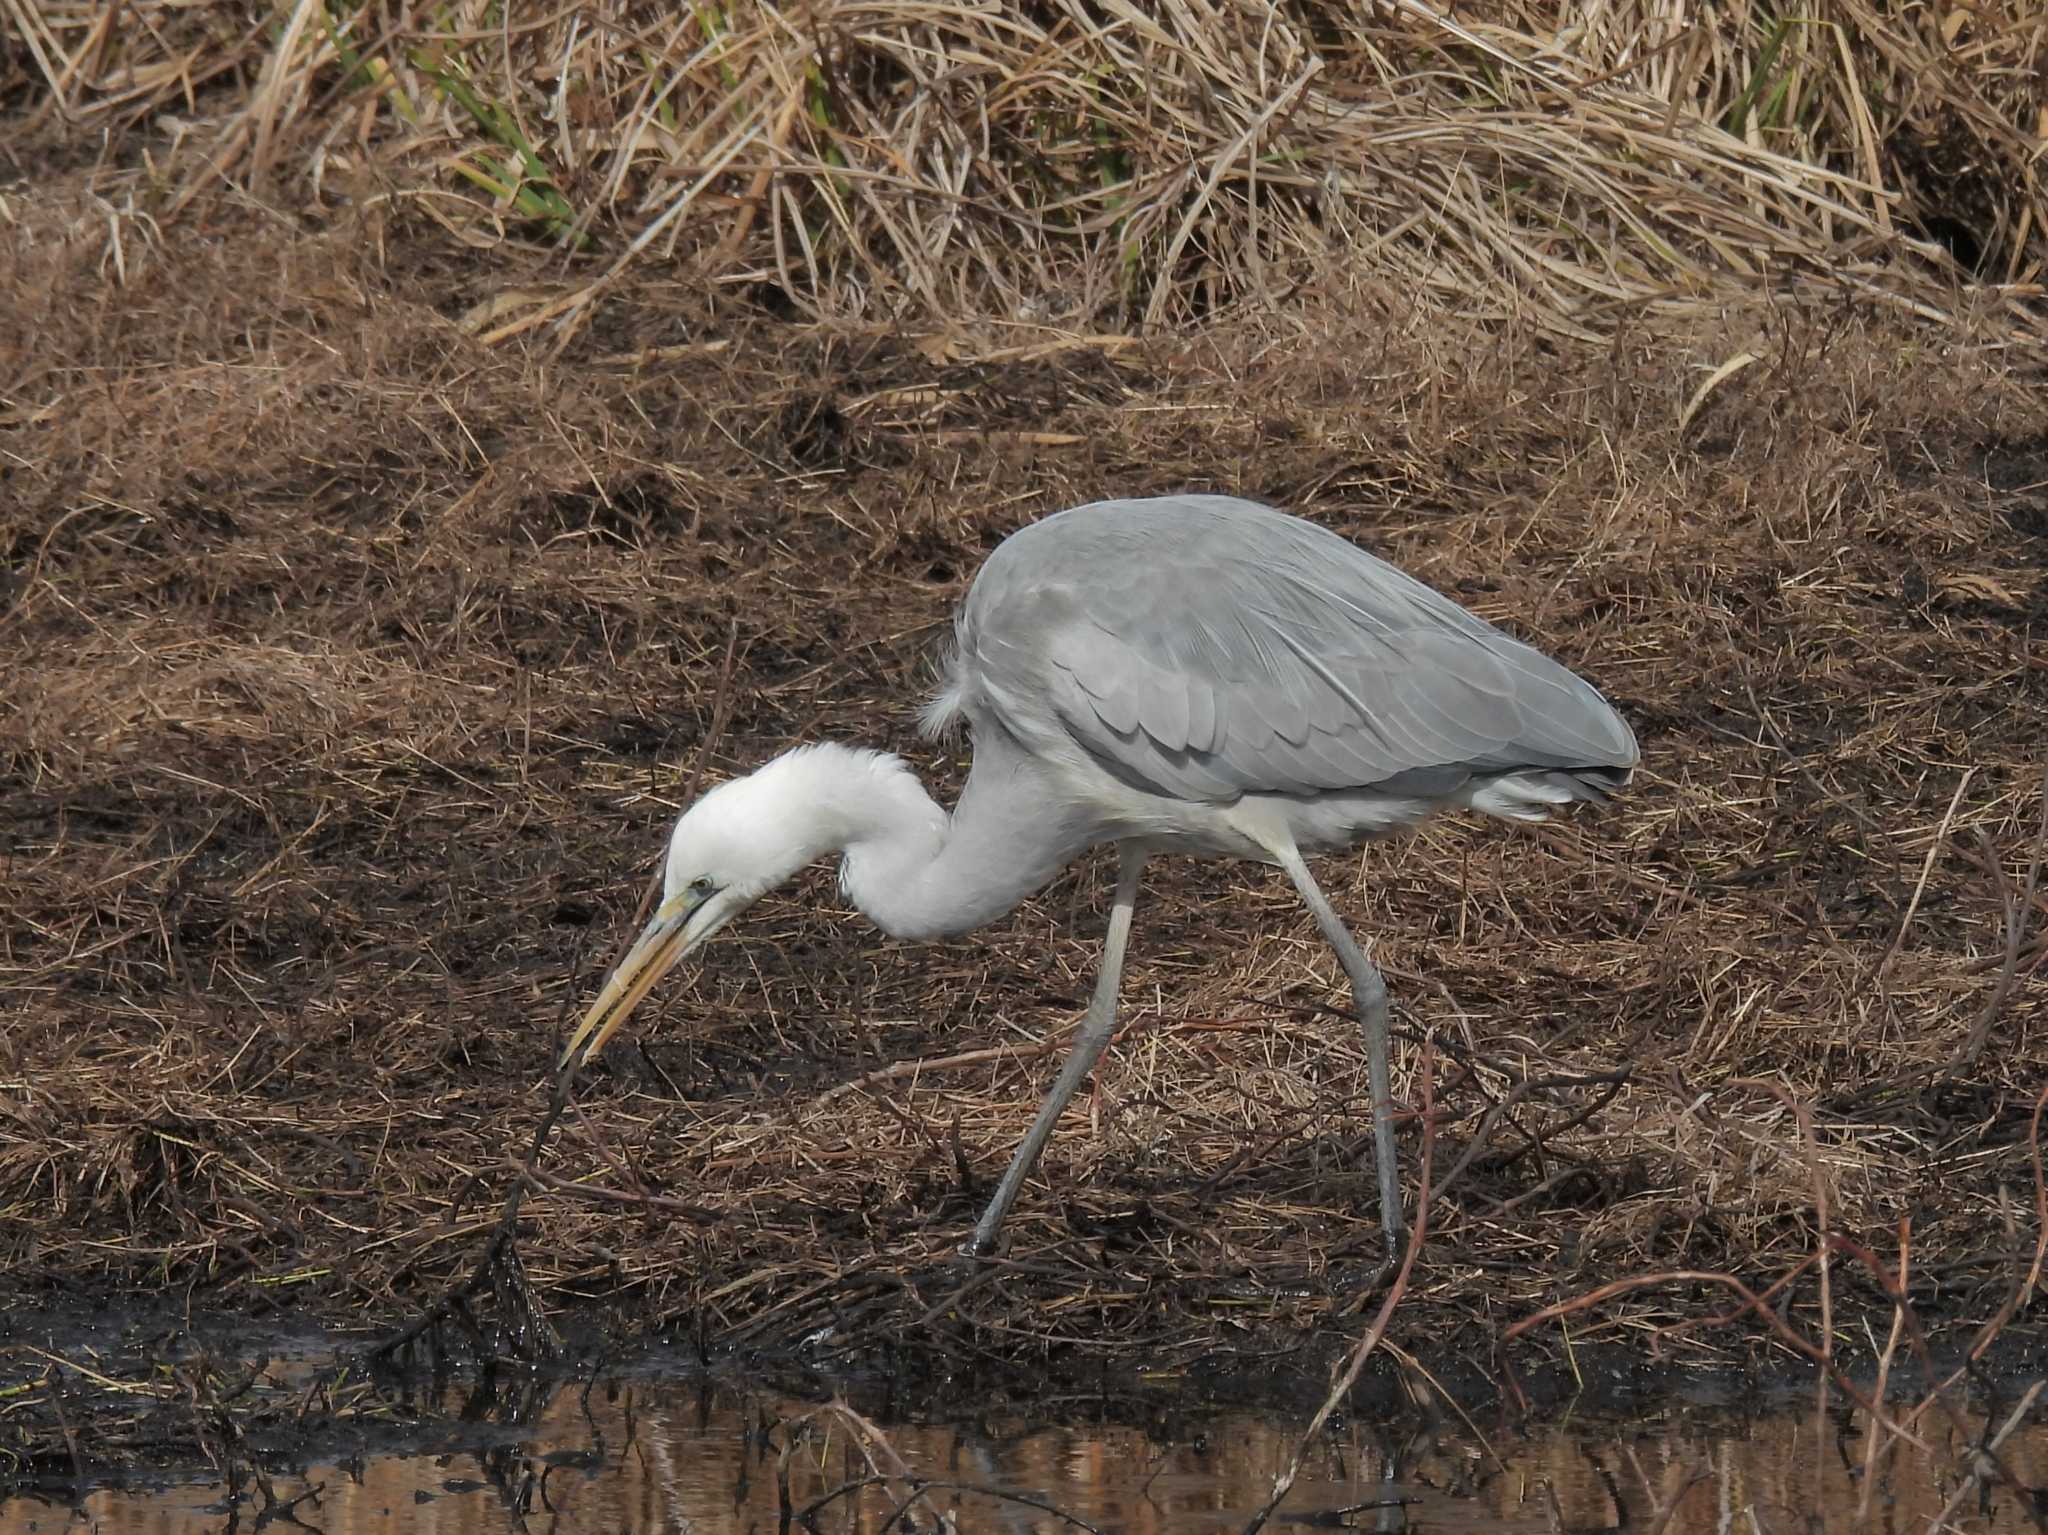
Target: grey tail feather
x: 1596, y: 784
x: 1531, y: 794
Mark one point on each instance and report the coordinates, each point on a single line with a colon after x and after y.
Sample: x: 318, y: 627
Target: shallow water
x: 650, y: 1456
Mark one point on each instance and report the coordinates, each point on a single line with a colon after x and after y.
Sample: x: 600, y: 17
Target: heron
x: 1184, y: 674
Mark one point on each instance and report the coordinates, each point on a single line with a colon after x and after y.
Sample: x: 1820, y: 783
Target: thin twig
x: 1871, y: 1440
x: 1284, y: 1483
x: 2015, y: 933
x: 1876, y: 833
x: 897, y: 1070
x: 1985, y: 1459
x: 554, y: 1183
x: 1677, y: 1483
x: 1934, y: 848
x: 1613, y: 1081
x: 497, y: 1250
x: 2022, y: 1292
x: 1751, y: 1303
x: 1803, y: 1117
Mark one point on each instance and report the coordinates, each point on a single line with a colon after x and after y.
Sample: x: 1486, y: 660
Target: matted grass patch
x: 355, y: 665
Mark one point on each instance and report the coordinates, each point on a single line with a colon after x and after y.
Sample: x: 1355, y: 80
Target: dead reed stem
x: 892, y: 161
x: 1348, y: 1376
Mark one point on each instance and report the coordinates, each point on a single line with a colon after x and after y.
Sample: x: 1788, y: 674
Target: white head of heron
x: 727, y: 850
x: 741, y: 840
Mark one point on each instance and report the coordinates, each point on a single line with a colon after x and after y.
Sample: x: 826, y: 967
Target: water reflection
x: 646, y: 1457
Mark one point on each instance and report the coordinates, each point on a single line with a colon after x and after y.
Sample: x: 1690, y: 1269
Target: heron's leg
x: 1090, y: 1040
x: 1369, y: 992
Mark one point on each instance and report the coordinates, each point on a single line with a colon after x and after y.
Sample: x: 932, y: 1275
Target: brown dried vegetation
x: 1106, y: 163
x: 360, y: 627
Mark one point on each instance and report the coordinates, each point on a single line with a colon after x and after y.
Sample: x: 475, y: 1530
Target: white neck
x: 914, y: 870
x: 891, y: 832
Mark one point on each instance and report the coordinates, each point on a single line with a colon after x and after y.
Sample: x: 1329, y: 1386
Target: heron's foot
x: 1373, y: 1283
x: 976, y: 1250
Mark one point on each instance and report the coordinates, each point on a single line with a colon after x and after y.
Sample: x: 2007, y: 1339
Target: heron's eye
x: 701, y: 887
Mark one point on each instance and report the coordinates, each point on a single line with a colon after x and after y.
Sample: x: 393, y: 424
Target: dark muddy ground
x: 221, y: 1416
x: 354, y: 670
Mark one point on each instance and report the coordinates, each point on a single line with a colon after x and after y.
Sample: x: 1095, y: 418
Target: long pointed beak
x: 668, y: 936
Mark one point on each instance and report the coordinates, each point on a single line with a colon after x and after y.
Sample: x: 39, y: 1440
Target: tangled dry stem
x: 1107, y: 165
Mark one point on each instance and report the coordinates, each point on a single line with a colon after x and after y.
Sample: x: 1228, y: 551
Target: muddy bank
x: 354, y: 669
x: 145, y: 1398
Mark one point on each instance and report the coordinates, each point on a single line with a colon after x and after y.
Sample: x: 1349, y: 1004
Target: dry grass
x: 355, y: 662
x: 1639, y: 163
x: 398, y: 412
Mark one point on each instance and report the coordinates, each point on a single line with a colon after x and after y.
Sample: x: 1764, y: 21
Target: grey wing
x: 1208, y: 648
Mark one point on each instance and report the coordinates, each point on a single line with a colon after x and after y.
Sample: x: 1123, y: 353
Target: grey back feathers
x: 1203, y: 648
